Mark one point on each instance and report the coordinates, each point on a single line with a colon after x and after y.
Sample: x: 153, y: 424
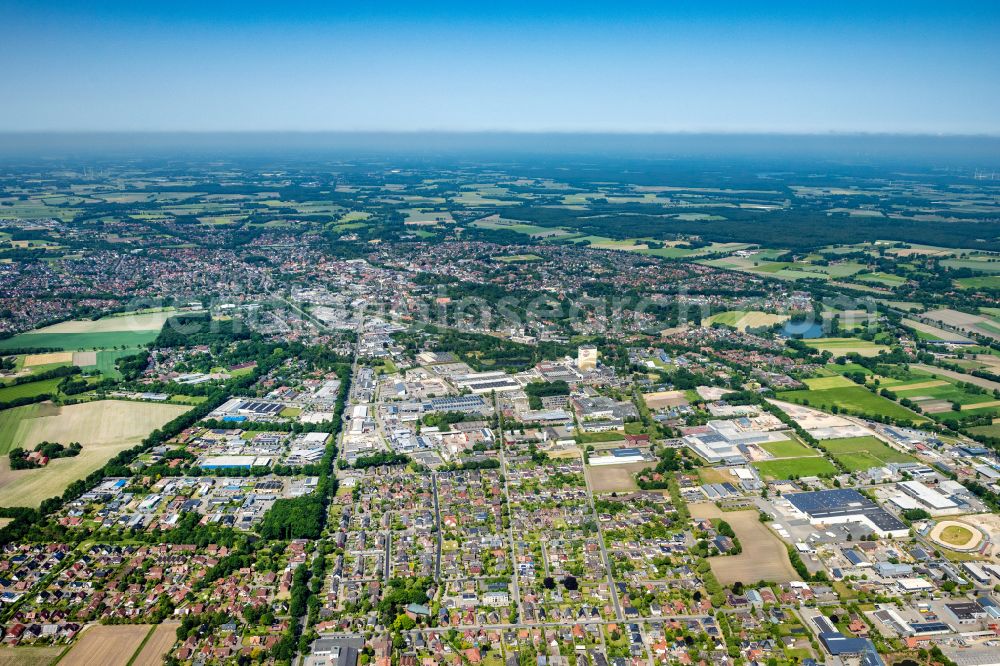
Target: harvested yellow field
x: 85, y: 358
x: 860, y: 350
x: 31, y: 360
x: 158, y: 645
x: 741, y: 320
x: 714, y: 475
x: 922, y: 385
x: 981, y: 405
x: 615, y: 478
x: 664, y: 399
x: 103, y: 427
x: 149, y: 321
x: 30, y: 656
x: 764, y: 555
x: 759, y: 319
x: 106, y: 644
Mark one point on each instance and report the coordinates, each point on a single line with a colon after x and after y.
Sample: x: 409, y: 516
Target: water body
x: 802, y: 329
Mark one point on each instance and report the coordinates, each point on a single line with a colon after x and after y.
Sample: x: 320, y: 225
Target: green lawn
x: 784, y: 469
x: 188, y: 399
x: 851, y: 399
x: 860, y: 453
x: 788, y: 449
x: 598, y: 437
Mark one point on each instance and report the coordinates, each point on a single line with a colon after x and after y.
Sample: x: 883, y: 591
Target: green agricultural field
x: 851, y: 399
x: 984, y: 282
x: 728, y: 318
x: 979, y: 264
x: 29, y: 390
x: 521, y: 228
x: 953, y: 417
x: 104, y: 427
x: 784, y: 469
x: 823, y: 383
x: 860, y: 453
x: 844, y: 346
x: 134, y: 329
x: 845, y: 368
x: 987, y: 430
x: 106, y: 362
x: 10, y: 420
x: 79, y: 341
x: 945, y: 391
x: 885, y: 279
x: 353, y: 216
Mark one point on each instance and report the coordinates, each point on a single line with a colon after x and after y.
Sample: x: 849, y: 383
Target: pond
x: 802, y: 329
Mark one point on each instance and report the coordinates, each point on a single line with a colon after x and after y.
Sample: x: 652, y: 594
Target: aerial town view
x: 361, y: 394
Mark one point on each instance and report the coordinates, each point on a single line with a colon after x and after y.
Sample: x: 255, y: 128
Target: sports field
x: 789, y: 448
x: 784, y: 469
x: 860, y: 453
x: 103, y: 427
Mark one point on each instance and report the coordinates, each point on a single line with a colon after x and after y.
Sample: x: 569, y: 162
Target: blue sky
x: 806, y: 66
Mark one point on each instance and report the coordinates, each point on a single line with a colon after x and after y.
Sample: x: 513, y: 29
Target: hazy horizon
x: 693, y: 67
x: 928, y: 150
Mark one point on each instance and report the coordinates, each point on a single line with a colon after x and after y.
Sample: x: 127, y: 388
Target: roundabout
x: 956, y: 535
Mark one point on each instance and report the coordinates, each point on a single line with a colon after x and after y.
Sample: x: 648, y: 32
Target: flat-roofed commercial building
x: 846, y: 505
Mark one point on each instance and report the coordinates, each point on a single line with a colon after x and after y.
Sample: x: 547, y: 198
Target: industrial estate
x: 345, y: 412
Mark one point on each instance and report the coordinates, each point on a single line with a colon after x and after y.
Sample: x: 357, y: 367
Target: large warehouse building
x: 845, y: 505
